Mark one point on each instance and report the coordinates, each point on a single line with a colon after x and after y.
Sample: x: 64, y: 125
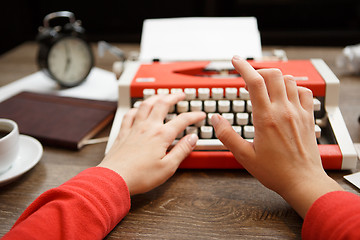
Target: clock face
x: 70, y: 60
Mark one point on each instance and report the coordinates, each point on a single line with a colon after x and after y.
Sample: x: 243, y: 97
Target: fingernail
x: 215, y: 120
x: 237, y: 57
x: 192, y: 139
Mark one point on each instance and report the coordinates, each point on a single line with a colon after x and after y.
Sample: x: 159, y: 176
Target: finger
x: 181, y: 150
x: 306, y: 99
x: 241, y: 148
x: 183, y: 120
x: 162, y: 105
x: 275, y: 85
x: 127, y: 122
x: 291, y: 89
x: 145, y: 108
x: 254, y: 82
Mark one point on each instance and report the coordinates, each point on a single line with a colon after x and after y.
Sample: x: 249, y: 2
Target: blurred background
x: 281, y: 22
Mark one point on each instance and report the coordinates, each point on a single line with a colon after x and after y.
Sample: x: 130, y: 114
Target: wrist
x: 303, y: 194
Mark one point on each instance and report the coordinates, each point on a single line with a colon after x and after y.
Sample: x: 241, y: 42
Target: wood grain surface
x: 193, y: 204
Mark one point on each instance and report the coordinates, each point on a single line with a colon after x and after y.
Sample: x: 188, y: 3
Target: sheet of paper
x: 99, y: 85
x: 355, y: 177
x: 193, y: 39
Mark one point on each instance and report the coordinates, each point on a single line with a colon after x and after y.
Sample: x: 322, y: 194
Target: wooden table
x: 193, y: 204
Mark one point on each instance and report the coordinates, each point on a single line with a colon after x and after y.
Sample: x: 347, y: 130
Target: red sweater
x: 335, y: 215
x: 91, y: 204
x: 87, y: 206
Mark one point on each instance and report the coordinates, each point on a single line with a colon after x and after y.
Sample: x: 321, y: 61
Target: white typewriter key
x: 176, y: 90
x: 162, y: 91
x: 248, y: 106
x: 209, y: 118
x: 210, y: 106
x: 223, y: 106
x: 204, y: 93
x: 170, y: 117
x: 237, y: 129
x: 238, y: 106
x: 137, y: 104
x: 206, y: 132
x: 201, y: 123
x: 322, y: 122
x: 148, y: 92
x: 209, y: 144
x: 230, y: 93
x: 244, y: 94
x: 190, y: 93
x: 317, y: 131
x: 182, y: 106
x: 229, y: 117
x: 317, y: 104
x: 191, y: 130
x: 195, y: 105
x: 217, y: 93
x: 242, y: 119
x: 249, y: 131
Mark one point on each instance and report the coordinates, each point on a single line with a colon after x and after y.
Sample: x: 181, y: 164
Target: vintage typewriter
x: 215, y: 87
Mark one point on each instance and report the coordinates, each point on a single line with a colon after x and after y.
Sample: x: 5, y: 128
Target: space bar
x: 207, y: 144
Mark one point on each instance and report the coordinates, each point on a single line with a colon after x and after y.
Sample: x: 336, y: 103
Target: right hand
x: 284, y: 155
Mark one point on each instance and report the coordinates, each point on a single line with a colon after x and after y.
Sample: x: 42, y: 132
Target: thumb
x: 241, y: 148
x: 182, y: 149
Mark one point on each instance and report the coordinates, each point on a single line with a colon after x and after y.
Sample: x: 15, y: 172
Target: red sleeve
x: 335, y: 215
x: 87, y: 206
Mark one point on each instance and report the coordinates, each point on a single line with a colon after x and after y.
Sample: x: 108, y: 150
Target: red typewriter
x: 215, y: 87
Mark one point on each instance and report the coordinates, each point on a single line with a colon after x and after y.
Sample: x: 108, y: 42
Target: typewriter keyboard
x: 232, y: 103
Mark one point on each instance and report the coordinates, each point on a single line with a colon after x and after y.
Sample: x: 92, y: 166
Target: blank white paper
x: 200, y: 38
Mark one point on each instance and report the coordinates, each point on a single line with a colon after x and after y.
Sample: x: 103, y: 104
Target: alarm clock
x: 64, y: 53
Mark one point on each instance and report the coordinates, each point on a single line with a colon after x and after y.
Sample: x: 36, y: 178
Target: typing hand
x: 284, y: 154
x: 139, y: 152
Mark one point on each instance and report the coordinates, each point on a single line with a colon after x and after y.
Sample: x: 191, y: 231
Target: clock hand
x: 68, y: 59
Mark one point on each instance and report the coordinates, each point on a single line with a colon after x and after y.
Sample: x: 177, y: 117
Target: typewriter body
x: 215, y: 84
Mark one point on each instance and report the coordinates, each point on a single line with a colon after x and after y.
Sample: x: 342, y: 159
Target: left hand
x: 139, y: 154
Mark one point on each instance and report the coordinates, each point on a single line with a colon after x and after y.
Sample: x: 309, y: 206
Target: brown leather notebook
x: 58, y: 121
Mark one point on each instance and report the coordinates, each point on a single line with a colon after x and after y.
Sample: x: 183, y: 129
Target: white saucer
x: 30, y: 152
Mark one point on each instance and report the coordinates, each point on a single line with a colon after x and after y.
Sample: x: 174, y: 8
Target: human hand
x: 139, y: 153
x: 284, y: 155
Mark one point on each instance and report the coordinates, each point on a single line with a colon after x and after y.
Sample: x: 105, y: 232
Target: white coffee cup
x: 9, y: 143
